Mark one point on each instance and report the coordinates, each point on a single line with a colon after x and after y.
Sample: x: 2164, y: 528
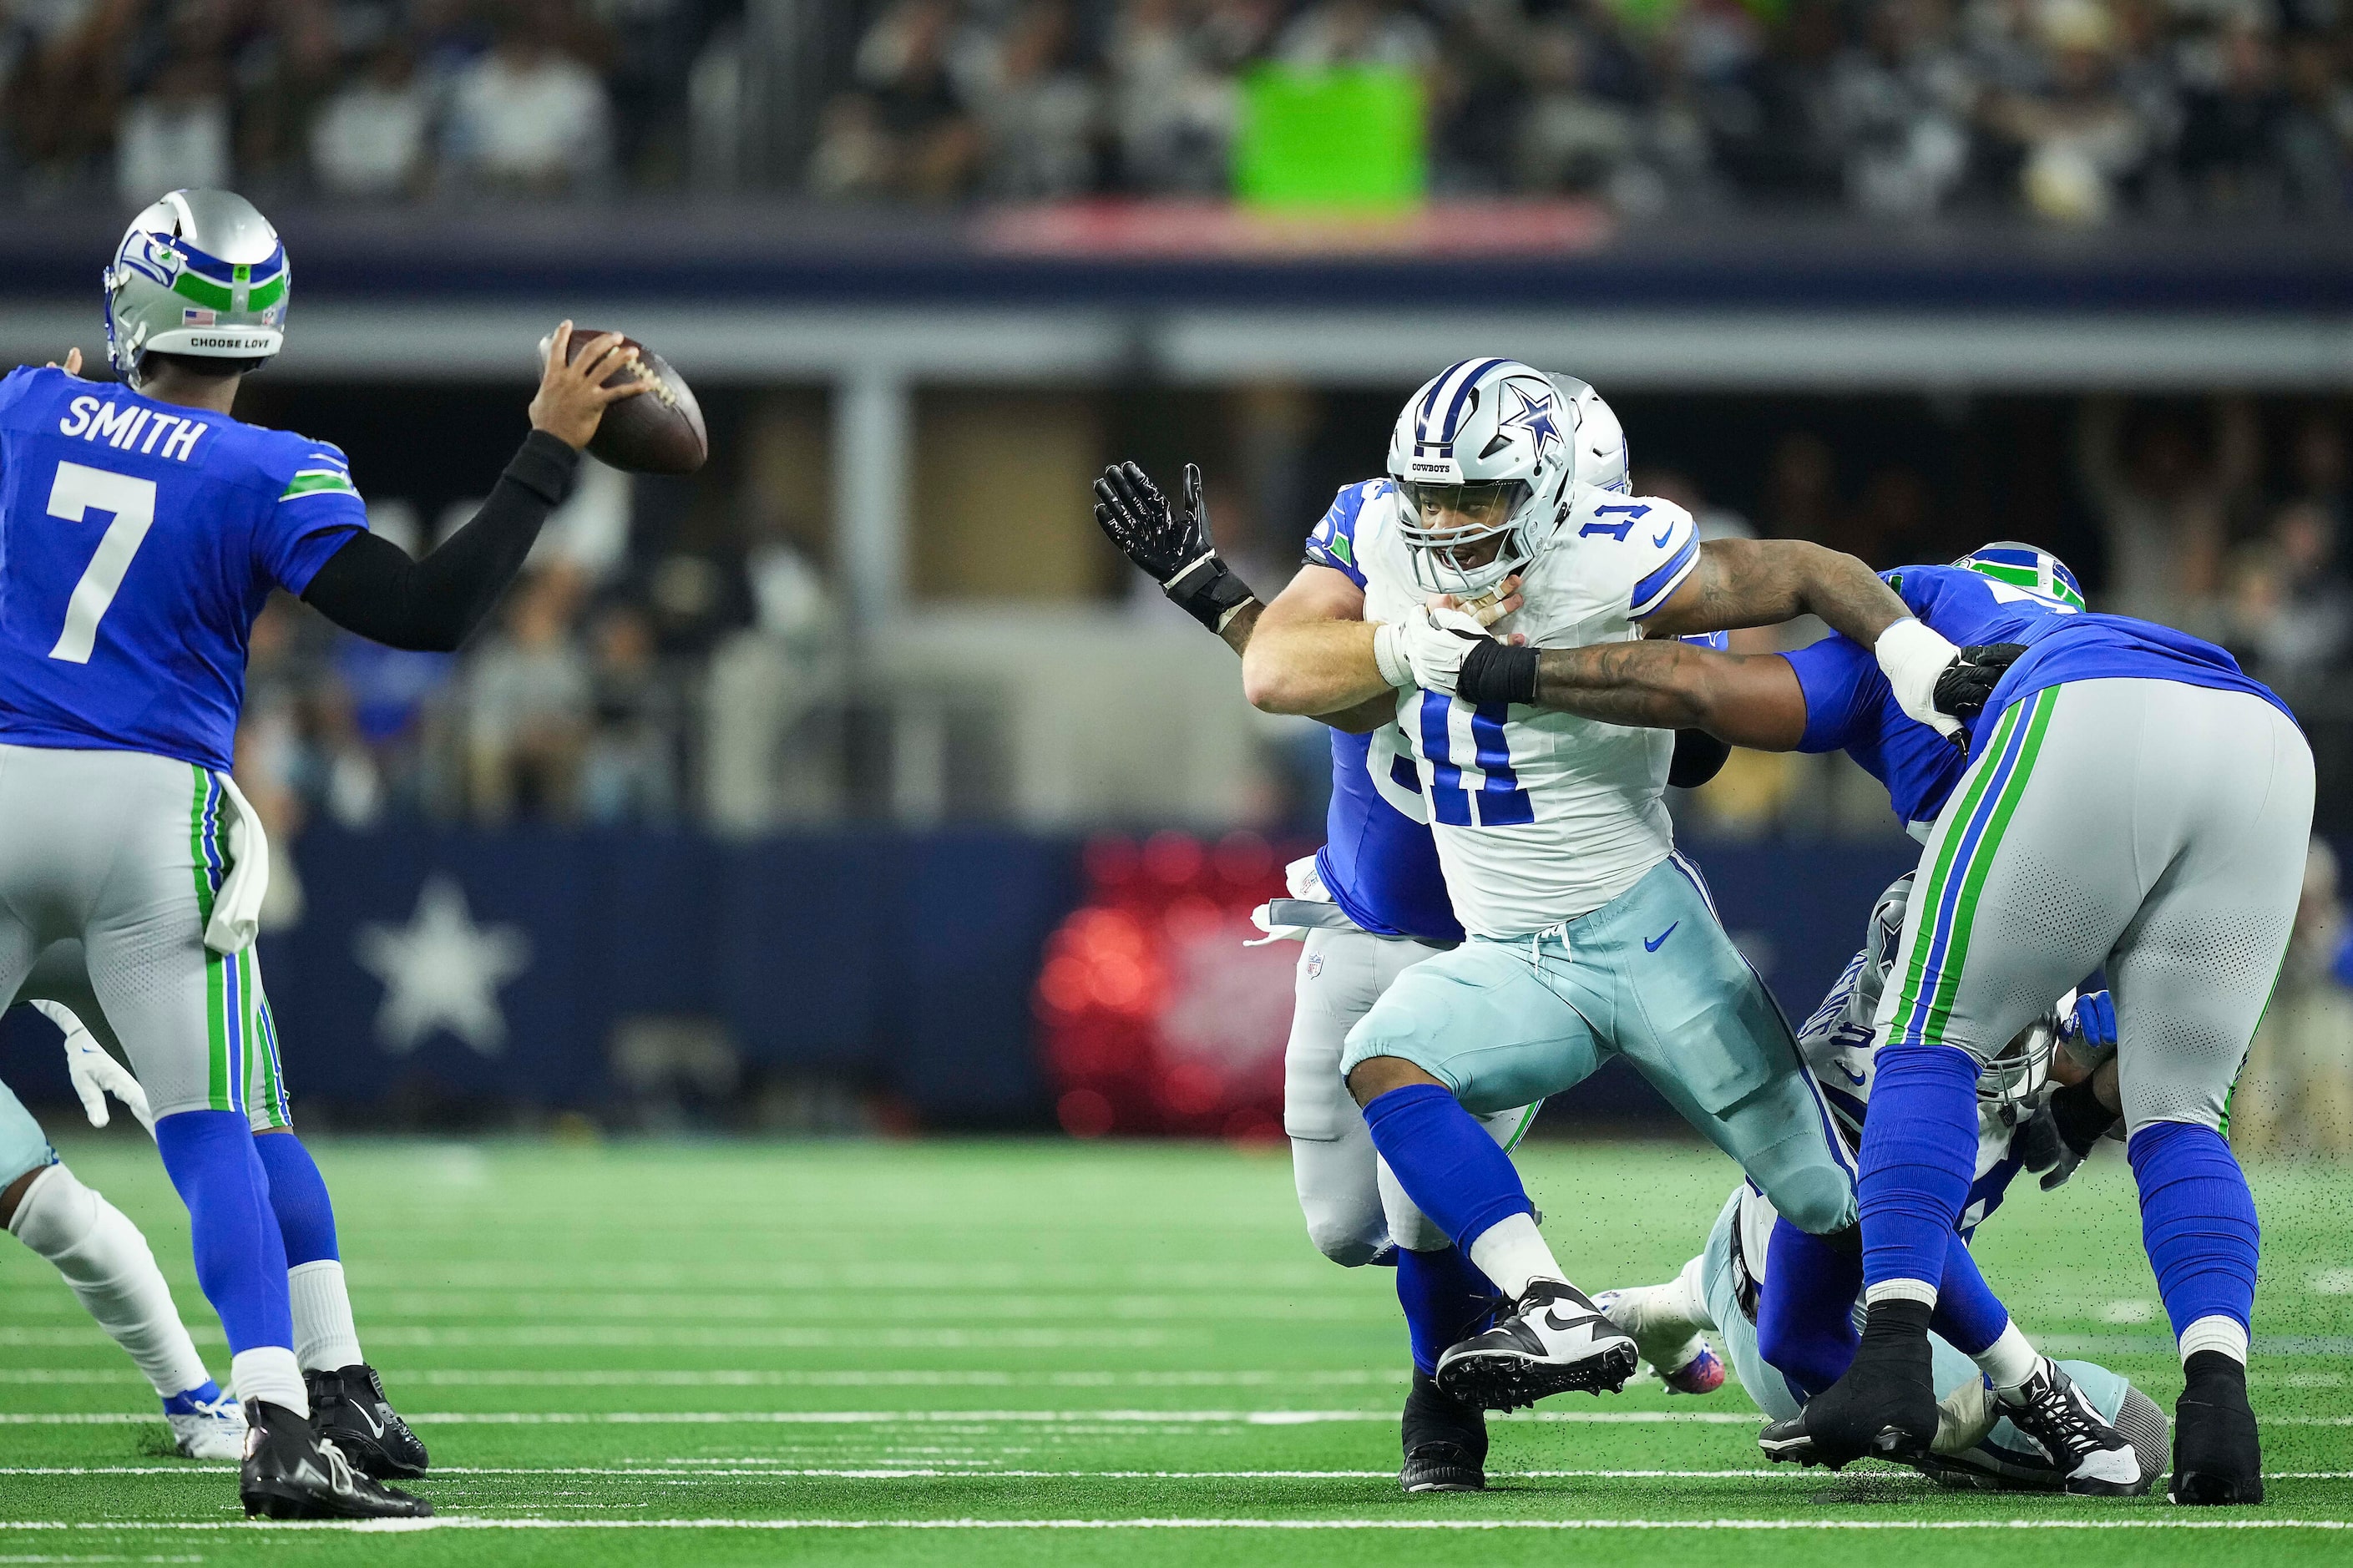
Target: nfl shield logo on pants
x: 1315, y: 964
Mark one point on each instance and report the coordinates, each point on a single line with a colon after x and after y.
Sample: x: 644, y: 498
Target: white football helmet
x: 1602, y: 463
x: 1485, y: 459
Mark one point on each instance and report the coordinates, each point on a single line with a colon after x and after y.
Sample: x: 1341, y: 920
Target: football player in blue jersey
x: 143, y: 527
x: 2134, y: 803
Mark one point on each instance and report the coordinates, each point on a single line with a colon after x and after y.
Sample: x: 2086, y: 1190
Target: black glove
x: 1699, y: 757
x: 1969, y: 680
x: 2060, y: 1132
x: 1174, y: 551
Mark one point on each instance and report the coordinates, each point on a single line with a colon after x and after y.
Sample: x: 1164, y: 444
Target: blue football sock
x: 1445, y: 1161
x: 1968, y: 1314
x: 1805, y: 1310
x: 2198, y: 1221
x: 1919, y: 1150
x: 298, y: 1194
x: 1446, y: 1301
x: 187, y: 1400
x: 240, y: 1259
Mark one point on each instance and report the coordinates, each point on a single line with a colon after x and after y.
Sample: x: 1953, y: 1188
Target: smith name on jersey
x: 1539, y: 817
x: 138, y: 542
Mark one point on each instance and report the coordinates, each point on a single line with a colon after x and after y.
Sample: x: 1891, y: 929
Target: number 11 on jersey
x: 78, y: 491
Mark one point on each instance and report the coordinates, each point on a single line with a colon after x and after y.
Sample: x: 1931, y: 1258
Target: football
x: 661, y: 432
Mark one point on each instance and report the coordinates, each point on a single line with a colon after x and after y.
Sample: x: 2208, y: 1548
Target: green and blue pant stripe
x: 1962, y: 858
x: 228, y: 977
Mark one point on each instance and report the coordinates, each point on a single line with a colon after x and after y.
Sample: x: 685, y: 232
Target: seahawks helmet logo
x: 151, y: 255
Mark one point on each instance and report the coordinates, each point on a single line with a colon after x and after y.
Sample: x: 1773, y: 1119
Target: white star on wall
x: 442, y: 972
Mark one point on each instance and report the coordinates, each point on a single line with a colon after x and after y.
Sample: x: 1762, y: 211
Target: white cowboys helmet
x: 1602, y: 463
x: 2008, y: 1083
x: 199, y: 273
x: 1486, y: 458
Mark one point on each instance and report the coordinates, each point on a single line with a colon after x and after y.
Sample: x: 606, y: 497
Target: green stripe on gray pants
x: 2152, y: 828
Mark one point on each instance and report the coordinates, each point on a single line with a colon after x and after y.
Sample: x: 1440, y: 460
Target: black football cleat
x: 348, y: 1408
x: 1445, y: 1441
x: 291, y: 1473
x: 2089, y: 1457
x: 1884, y: 1406
x: 2218, y: 1456
x: 1555, y: 1341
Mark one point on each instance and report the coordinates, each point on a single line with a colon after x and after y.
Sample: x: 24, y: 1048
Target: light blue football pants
x: 1651, y: 975
x: 23, y: 1145
x: 1779, y: 1402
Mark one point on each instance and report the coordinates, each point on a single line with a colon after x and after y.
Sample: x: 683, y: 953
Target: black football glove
x: 1174, y: 550
x: 1966, y: 684
x: 2060, y: 1130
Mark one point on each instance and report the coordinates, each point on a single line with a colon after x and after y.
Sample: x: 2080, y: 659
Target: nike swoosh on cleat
x: 1653, y: 945
x: 1852, y: 1076
x: 1552, y: 1319
x: 1659, y: 542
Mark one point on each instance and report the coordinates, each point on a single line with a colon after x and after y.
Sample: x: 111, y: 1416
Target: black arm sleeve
x: 1699, y: 757
x: 372, y: 587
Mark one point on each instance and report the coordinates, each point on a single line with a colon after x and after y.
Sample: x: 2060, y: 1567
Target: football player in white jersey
x: 1589, y: 936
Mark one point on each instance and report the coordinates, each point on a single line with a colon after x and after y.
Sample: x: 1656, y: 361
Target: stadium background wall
x: 826, y: 983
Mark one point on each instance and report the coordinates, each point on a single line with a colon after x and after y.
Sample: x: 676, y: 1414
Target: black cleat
x: 1445, y: 1441
x: 2217, y: 1455
x: 348, y: 1408
x: 1885, y: 1405
x: 291, y: 1473
x: 2089, y: 1457
x: 1555, y: 1341
x: 1999, y: 1468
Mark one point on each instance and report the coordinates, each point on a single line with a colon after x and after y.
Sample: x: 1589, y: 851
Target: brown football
x: 658, y: 432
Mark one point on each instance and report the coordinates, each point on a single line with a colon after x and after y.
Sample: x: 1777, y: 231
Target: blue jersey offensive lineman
x: 2132, y: 803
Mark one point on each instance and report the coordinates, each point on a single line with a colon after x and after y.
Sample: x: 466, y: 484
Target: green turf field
x: 999, y: 1353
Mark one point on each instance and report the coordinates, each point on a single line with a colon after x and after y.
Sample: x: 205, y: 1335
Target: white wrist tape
x: 1913, y: 656
x: 1389, y: 652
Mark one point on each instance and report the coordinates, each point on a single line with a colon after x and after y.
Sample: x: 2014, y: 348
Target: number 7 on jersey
x: 78, y: 491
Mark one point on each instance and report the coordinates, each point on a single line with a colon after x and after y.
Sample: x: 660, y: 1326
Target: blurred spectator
x: 2078, y: 138
x: 174, y: 129
x: 2234, y: 129
x: 284, y: 75
x: 1332, y: 33
x: 1172, y: 108
x: 1037, y: 108
x: 2290, y: 610
x: 2164, y: 490
x: 2297, y: 1092
x: 906, y: 130
x: 529, y: 114
x: 371, y: 140
x: 1901, y: 102
x: 631, y: 768
x: 529, y: 693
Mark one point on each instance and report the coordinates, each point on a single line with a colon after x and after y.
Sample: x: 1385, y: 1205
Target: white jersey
x: 1541, y: 816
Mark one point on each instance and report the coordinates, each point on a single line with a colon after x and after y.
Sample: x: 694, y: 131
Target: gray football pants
x: 2156, y: 829
x: 121, y: 852
x: 1354, y: 1207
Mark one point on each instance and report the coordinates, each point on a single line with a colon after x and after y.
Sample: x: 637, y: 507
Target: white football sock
x: 1899, y: 1290
x: 324, y: 1336
x: 2215, y: 1333
x: 2010, y: 1360
x: 269, y: 1372
x: 1693, y: 1296
x: 107, y: 1262
x: 1511, y: 1252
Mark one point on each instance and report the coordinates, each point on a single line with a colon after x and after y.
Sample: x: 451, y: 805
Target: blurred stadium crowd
x: 2076, y: 110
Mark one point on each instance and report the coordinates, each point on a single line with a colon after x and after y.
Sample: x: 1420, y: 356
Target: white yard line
x: 903, y: 1472
x: 931, y: 1417
x: 460, y: 1522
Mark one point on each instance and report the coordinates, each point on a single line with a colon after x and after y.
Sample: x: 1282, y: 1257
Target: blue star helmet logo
x: 1534, y: 414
